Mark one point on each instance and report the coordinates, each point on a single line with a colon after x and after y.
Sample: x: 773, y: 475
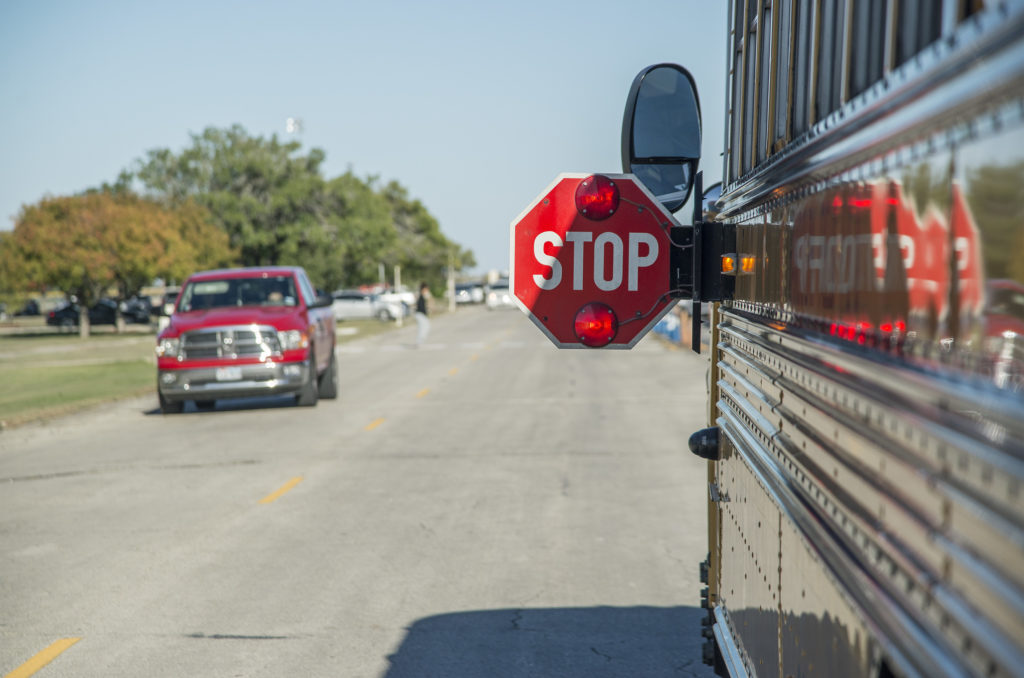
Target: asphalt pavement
x: 485, y: 505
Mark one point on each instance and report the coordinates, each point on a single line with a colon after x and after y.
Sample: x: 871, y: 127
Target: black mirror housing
x: 661, y: 132
x: 322, y: 301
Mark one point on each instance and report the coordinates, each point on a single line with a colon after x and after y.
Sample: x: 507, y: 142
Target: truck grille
x: 230, y: 343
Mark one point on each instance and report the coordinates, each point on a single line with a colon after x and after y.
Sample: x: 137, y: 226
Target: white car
x: 349, y: 305
x: 469, y: 293
x: 499, y: 295
x: 402, y: 299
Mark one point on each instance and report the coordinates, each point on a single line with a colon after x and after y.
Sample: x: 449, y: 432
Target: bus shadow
x: 593, y: 642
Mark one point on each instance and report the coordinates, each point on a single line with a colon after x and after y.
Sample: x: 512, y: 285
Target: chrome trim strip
x: 993, y: 638
x: 886, y: 375
x: 854, y: 441
x: 727, y: 646
x: 917, y: 653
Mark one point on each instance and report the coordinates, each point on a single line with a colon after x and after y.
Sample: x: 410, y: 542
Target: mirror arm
x: 664, y: 160
x: 698, y: 197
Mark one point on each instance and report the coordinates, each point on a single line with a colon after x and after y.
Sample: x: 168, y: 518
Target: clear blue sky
x: 473, y: 106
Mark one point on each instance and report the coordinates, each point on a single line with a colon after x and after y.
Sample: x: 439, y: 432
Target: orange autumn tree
x: 86, y: 244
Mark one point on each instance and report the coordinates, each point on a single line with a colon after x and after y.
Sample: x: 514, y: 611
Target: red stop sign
x: 563, y: 261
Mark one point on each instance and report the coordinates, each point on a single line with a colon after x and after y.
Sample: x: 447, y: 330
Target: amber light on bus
x: 597, y: 197
x: 596, y: 325
x: 738, y: 264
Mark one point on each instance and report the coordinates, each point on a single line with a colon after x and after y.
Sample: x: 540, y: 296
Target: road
x: 485, y: 505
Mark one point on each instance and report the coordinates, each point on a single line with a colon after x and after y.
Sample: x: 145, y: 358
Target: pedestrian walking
x: 422, y: 310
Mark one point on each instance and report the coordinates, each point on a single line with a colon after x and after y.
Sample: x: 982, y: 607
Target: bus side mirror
x: 661, y: 132
x: 709, y: 210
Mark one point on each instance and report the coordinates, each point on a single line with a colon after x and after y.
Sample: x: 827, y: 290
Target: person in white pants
x: 422, y: 310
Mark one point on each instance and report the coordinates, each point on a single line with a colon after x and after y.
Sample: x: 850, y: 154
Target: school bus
x: 865, y: 262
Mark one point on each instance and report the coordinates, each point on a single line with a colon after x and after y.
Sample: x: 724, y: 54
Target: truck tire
x: 328, y: 383
x: 169, y: 406
x: 307, y: 397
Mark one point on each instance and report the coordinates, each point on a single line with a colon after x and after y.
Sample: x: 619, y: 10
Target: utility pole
x: 451, y: 281
x: 398, y: 288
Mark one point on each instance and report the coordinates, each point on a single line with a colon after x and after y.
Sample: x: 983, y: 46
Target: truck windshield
x: 234, y: 292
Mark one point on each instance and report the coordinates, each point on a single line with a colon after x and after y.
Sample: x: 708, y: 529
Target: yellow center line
x: 453, y: 371
x: 374, y: 424
x: 42, y: 659
x: 423, y: 393
x: 274, y: 496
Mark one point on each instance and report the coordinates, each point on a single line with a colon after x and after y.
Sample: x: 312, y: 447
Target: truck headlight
x: 168, y: 347
x: 293, y: 339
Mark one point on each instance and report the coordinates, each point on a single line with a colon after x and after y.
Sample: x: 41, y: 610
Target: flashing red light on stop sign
x: 596, y: 325
x: 597, y: 197
x: 592, y: 241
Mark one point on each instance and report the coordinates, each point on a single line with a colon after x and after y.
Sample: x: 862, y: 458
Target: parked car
x: 404, y: 299
x: 170, y: 298
x: 31, y: 308
x: 469, y: 293
x: 243, y: 332
x: 350, y: 305
x: 65, y: 315
x: 499, y: 295
x: 103, y: 312
x: 137, y: 310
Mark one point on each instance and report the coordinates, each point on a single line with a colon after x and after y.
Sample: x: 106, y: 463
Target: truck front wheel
x: 328, y: 382
x: 169, y: 406
x: 308, y: 396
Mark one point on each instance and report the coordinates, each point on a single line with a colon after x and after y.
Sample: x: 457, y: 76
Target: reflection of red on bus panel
x: 863, y: 256
x: 967, y: 245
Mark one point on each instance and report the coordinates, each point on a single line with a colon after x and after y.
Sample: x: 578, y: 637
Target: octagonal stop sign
x: 590, y: 261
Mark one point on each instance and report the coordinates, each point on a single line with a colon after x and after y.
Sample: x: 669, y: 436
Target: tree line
x: 227, y: 199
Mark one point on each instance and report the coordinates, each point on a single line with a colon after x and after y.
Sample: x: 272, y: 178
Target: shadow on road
x: 589, y: 642
x: 234, y: 405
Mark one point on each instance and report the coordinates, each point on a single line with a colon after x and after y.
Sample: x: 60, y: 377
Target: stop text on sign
x: 607, y: 248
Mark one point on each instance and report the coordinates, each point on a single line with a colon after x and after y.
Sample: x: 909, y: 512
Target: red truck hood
x: 278, y: 317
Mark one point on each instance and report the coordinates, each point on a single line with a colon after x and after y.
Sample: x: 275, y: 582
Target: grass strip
x: 37, y: 392
x: 44, y: 376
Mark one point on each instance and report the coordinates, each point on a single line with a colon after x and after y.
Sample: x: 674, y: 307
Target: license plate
x: 229, y: 373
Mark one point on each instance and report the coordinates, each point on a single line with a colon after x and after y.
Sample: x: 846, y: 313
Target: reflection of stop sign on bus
x: 590, y: 261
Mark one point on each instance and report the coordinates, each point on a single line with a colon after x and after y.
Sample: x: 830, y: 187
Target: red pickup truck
x: 244, y: 332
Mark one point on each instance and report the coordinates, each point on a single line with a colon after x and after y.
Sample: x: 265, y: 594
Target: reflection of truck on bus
x: 866, y: 265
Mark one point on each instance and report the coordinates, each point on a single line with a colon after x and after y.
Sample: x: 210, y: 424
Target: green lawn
x: 48, y: 375
x: 43, y: 374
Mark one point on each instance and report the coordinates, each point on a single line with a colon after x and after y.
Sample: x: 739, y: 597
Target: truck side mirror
x: 661, y: 132
x: 322, y: 300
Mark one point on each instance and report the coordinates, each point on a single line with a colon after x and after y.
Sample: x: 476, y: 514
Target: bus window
x: 783, y: 63
x: 737, y: 93
x: 918, y: 24
x: 830, y: 81
x: 750, y: 77
x: 766, y: 103
x: 868, y: 48
x: 803, y: 59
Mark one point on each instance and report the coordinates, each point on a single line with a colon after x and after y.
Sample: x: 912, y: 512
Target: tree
x: 359, y: 221
x: 993, y: 193
x: 88, y: 243
x: 266, y: 197
x: 420, y: 247
x: 277, y: 208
